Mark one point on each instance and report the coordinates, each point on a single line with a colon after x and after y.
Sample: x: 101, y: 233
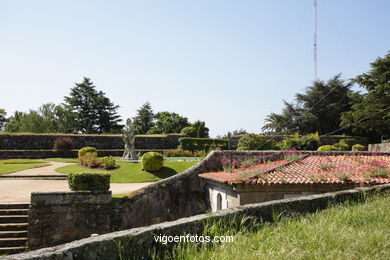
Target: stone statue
x: 128, y: 138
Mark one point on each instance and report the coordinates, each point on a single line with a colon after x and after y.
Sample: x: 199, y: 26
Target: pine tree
x: 94, y: 112
x: 143, y: 121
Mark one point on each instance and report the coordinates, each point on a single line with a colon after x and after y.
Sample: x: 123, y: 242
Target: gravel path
x: 45, y: 170
x: 19, y: 190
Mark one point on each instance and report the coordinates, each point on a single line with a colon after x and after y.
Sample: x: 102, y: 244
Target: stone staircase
x: 13, y: 228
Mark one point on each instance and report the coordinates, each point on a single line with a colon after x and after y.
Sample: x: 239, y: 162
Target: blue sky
x: 229, y: 63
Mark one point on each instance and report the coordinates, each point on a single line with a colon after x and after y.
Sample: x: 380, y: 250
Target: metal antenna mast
x: 315, y: 38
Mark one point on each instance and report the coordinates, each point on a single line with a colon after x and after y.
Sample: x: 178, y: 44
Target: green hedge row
x: 89, y: 181
x: 202, y: 144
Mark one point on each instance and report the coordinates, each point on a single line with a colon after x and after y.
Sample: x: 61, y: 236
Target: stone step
x: 8, y: 212
x: 14, y: 219
x: 14, y: 205
x: 13, y: 242
x: 12, y: 250
x: 14, y: 227
x: 11, y: 234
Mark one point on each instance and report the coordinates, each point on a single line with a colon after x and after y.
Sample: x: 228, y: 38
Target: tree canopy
x: 48, y: 118
x: 168, y: 122
x: 144, y: 119
x: 93, y: 111
x: 318, y: 109
x: 370, y: 112
x: 3, y: 118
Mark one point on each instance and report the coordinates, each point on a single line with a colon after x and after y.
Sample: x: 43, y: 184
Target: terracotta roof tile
x: 362, y: 169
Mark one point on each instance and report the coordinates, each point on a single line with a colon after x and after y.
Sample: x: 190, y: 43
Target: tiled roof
x: 313, y: 169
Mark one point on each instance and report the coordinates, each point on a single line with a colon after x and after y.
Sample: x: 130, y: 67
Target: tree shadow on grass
x: 165, y: 172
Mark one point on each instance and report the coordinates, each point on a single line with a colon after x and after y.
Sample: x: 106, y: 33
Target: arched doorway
x: 219, y: 201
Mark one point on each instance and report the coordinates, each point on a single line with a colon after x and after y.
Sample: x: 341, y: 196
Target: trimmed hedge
x: 89, y: 181
x: 202, y: 144
x: 152, y: 161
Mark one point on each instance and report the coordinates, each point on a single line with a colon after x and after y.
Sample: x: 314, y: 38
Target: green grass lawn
x: 348, y: 231
x: 132, y: 172
x: 14, y: 165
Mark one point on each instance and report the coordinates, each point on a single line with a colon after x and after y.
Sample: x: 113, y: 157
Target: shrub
x: 89, y: 181
x: 306, y: 142
x: 309, y: 142
x: 152, y: 161
x: 86, y: 150
x: 63, y: 144
x: 255, y: 142
x: 178, y: 153
x: 358, y: 147
x: 202, y: 144
x: 108, y: 163
x: 342, y: 146
x: 327, y: 148
x: 349, y: 142
x: 90, y: 160
x: 200, y: 154
x: 289, y: 143
x: 189, y: 131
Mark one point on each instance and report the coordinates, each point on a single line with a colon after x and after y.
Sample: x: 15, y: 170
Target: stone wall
x: 60, y: 217
x: 325, y: 140
x: 383, y: 147
x: 103, y: 142
x: 181, y: 195
x: 40, y: 145
x: 137, y: 243
x: 40, y: 154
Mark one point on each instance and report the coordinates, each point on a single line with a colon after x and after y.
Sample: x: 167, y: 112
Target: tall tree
x: 201, y: 130
x: 370, y: 112
x: 3, y: 118
x: 143, y: 121
x: 93, y: 111
x: 322, y: 105
x: 168, y: 123
x: 318, y: 109
x: 48, y: 118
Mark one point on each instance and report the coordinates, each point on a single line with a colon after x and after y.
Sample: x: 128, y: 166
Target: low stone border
x: 135, y: 243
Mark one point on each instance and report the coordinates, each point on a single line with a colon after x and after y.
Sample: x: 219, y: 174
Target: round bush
x: 327, y: 148
x: 87, y: 149
x: 152, y: 161
x: 108, y: 163
x: 358, y: 147
x: 89, y: 181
